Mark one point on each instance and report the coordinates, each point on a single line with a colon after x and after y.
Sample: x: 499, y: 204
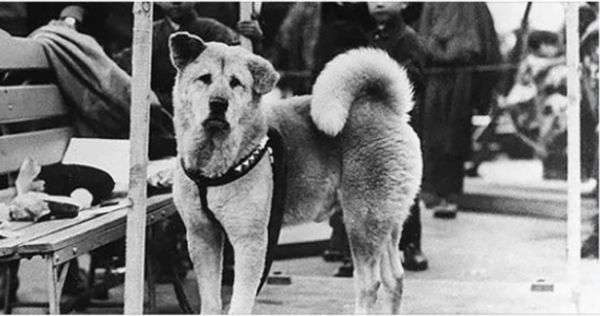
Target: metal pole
x: 246, y: 15
x: 138, y: 162
x: 574, y: 153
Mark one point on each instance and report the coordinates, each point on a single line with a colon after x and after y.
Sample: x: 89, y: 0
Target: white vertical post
x: 138, y: 162
x: 574, y: 153
x: 246, y: 15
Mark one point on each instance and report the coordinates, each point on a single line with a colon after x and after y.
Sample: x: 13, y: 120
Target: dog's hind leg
x: 205, y: 244
x: 366, y: 252
x: 373, y: 218
x: 366, y: 283
x: 392, y: 272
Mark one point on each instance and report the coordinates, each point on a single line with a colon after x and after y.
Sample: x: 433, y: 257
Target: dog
x: 348, y: 145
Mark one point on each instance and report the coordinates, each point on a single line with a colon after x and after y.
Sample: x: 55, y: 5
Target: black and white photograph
x: 299, y: 158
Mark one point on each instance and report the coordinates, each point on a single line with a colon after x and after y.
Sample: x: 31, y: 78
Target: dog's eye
x: 206, y: 79
x: 235, y: 82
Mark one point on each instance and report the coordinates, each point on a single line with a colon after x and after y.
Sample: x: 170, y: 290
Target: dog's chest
x: 245, y: 199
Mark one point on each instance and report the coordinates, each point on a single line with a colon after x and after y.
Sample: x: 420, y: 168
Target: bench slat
x: 31, y: 231
x: 46, y: 147
x: 25, y: 103
x: 22, y: 53
x: 104, y: 228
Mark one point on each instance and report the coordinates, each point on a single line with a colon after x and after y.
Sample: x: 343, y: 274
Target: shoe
x: 445, y: 210
x: 589, y: 248
x: 346, y: 270
x: 414, y: 259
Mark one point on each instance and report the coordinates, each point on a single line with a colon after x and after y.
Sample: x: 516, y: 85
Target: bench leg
x: 56, y: 279
x: 10, y: 270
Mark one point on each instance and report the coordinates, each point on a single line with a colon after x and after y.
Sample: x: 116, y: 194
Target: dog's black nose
x: 218, y: 105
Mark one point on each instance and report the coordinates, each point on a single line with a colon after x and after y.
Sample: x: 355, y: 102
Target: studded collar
x: 237, y: 171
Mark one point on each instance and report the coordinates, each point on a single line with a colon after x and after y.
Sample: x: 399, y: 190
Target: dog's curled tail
x: 354, y: 74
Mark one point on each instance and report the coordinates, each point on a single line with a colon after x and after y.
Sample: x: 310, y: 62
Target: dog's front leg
x: 205, y: 243
x: 249, y: 255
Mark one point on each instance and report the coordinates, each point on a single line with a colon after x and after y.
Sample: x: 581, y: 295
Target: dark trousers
x: 411, y: 230
x: 442, y: 173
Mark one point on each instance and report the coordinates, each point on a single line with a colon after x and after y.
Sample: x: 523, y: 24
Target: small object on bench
x: 36, y: 206
x: 61, y: 207
x: 28, y: 207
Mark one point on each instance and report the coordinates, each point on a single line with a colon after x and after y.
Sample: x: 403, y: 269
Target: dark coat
x: 343, y: 26
x: 456, y: 35
x: 401, y: 42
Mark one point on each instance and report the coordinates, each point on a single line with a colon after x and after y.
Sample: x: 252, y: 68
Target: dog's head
x: 216, y: 101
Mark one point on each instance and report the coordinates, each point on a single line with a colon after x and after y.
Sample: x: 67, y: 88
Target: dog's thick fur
x: 348, y: 146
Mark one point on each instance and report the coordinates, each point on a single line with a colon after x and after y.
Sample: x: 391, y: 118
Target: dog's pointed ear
x: 184, y: 48
x: 264, y: 75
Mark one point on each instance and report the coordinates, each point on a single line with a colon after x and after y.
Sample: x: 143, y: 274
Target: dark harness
x: 273, y: 144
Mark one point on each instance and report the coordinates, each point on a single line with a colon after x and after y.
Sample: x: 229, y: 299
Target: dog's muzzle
x: 216, y: 120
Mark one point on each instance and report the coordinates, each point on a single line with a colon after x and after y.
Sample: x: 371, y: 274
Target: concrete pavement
x: 479, y: 263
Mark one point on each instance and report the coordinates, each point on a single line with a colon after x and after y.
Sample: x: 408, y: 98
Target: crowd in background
x: 440, y: 44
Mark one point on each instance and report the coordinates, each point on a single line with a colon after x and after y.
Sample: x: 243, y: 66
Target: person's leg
x: 76, y: 280
x: 589, y: 248
x: 410, y: 241
x: 339, y: 249
x: 432, y: 170
x: 451, y: 182
x: 483, y: 141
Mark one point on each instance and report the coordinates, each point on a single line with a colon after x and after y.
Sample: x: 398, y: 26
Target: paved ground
x: 480, y: 263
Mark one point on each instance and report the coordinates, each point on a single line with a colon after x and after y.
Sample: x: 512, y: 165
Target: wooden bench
x: 34, y: 122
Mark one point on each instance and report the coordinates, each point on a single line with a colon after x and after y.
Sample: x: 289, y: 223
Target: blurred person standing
x: 456, y: 35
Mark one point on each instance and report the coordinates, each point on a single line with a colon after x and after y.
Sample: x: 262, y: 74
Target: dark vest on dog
x: 274, y: 146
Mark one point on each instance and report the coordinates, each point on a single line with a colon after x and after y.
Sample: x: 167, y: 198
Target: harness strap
x: 275, y: 144
x: 278, y: 166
